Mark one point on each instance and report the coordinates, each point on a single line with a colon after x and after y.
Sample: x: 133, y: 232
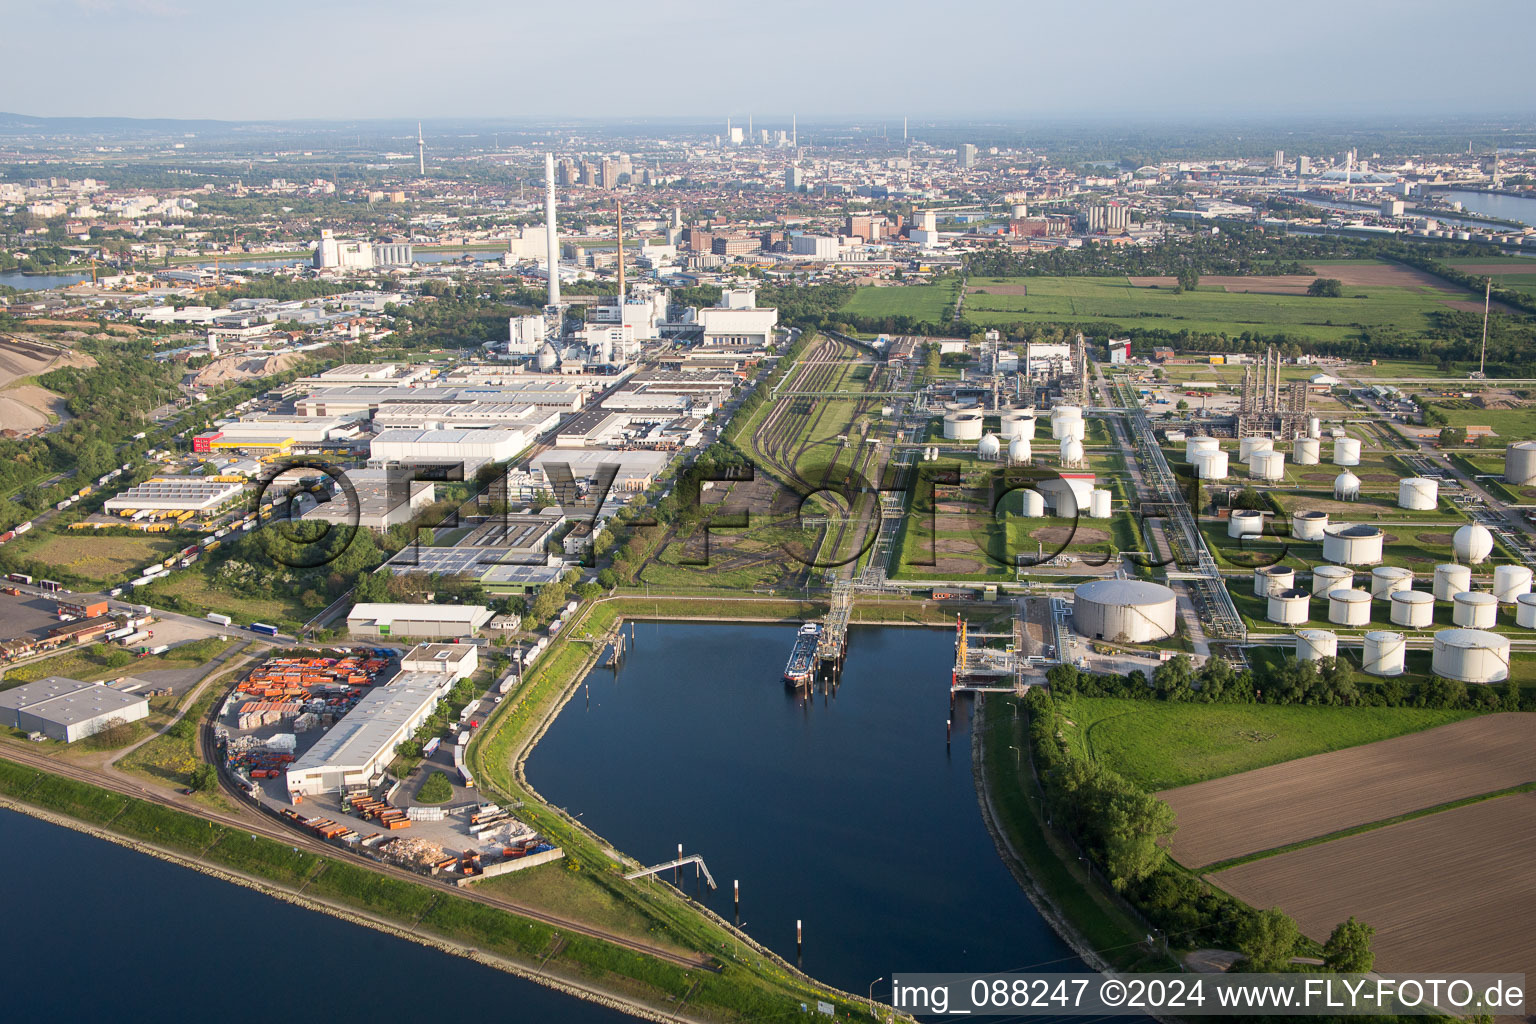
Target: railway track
x: 259, y: 825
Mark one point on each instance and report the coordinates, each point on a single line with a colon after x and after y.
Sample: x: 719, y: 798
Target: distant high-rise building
x: 794, y: 178
x: 1279, y: 164
x: 967, y: 155
x: 1303, y: 166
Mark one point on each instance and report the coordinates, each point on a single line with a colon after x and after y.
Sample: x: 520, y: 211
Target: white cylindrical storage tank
x: 1384, y: 653
x: 1470, y: 655
x: 988, y: 448
x: 1016, y: 423
x: 1387, y: 580
x: 1098, y: 503
x: 1267, y: 465
x: 1245, y: 522
x: 1130, y: 611
x: 1074, y: 429
x: 1034, y: 504
x: 1355, y: 544
x: 1475, y: 609
x: 1314, y: 427
x: 1346, y: 451
x: 1270, y: 579
x: 1346, y: 486
x: 1072, y: 451
x: 1450, y: 579
x: 1520, y: 463
x: 962, y: 425
x: 1066, y: 412
x: 1418, y: 492
x: 1289, y: 607
x: 1308, y: 524
x: 1326, y: 578
x: 1193, y: 446
x: 1413, y: 608
x: 1308, y: 451
x: 1312, y: 644
x: 1525, y: 611
x: 1472, y: 543
x: 1246, y: 446
x: 1019, y: 450
x: 1211, y: 465
x: 1349, y: 607
x: 1510, y: 581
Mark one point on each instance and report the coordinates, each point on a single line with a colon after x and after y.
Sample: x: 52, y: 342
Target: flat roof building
x: 381, y: 502
x: 67, y: 709
x: 175, y: 493
x: 357, y: 749
x: 427, y: 620
x: 457, y: 660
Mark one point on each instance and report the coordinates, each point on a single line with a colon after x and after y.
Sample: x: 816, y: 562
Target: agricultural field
x: 1509, y: 424
x: 101, y: 559
x: 1455, y: 887
x: 1159, y: 745
x: 1303, y: 799
x: 932, y: 302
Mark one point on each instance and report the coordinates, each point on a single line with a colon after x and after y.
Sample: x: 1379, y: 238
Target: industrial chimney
x: 549, y: 229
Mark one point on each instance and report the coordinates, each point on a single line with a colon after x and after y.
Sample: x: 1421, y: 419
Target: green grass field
x: 200, y: 597
x: 98, y: 558
x: 934, y: 302
x: 1510, y: 424
x: 89, y: 664
x: 1160, y: 745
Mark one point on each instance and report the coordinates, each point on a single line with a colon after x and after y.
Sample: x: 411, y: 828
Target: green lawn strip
x: 101, y: 662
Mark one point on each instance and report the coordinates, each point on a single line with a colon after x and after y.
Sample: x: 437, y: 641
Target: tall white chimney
x: 549, y: 229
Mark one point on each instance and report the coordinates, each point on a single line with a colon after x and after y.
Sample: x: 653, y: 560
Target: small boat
x: 801, y: 667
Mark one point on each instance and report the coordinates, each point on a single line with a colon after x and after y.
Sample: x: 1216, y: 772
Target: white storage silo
x: 1349, y: 607
x: 1034, y: 504
x: 1413, y: 608
x: 1270, y: 579
x: 1193, y: 446
x: 1326, y: 578
x: 1472, y: 543
x: 1211, y: 465
x: 989, y: 448
x: 1346, y: 451
x: 962, y: 425
x: 1066, y: 412
x: 1450, y: 579
x: 1475, y: 609
x: 1418, y: 493
x: 1064, y: 425
x: 1314, y: 427
x: 1520, y: 463
x: 1245, y: 522
x: 1353, y: 544
x: 1246, y: 446
x: 1510, y: 581
x: 1308, y: 524
x: 1308, y: 451
x: 1072, y: 453
x: 1019, y: 450
x: 1289, y: 607
x: 1525, y: 611
x: 1384, y: 653
x: 1267, y: 465
x: 1346, y: 486
x: 1387, y: 580
x: 1313, y: 644
x: 1131, y: 611
x: 1470, y: 655
x: 1099, y: 502
x: 1017, y: 423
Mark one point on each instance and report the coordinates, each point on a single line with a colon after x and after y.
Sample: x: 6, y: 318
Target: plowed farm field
x: 1281, y: 804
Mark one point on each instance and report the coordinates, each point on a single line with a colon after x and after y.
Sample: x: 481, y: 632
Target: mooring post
x: 799, y: 939
x: 736, y: 889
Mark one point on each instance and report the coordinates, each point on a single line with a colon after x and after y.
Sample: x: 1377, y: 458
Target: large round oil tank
x: 1346, y: 451
x: 1246, y: 446
x: 1245, y: 522
x: 1034, y: 504
x: 1267, y: 465
x: 1313, y: 644
x: 1384, y: 653
x: 1352, y: 544
x: 1269, y: 579
x: 989, y: 447
x: 1510, y: 581
x: 1346, y: 486
x: 1326, y: 578
x: 1470, y: 655
x: 1019, y: 450
x: 1387, y: 580
x: 1017, y: 423
x: 1418, y: 492
x: 1349, y: 607
x: 1289, y: 607
x: 1099, y: 502
x: 963, y: 425
x: 1193, y: 446
x: 1413, y: 608
x: 1450, y: 579
x: 1307, y: 452
x: 1475, y: 609
x: 1129, y: 611
x: 1066, y: 412
x: 1525, y: 611
x: 1072, y: 452
x: 1308, y: 524
x: 1211, y: 465
x: 1073, y: 429
x: 1520, y: 463
x: 1472, y: 543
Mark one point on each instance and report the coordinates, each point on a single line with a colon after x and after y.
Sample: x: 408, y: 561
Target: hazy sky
x: 924, y: 58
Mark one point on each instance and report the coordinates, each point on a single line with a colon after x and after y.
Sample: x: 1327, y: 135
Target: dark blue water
x: 99, y: 932
x: 38, y: 282
x: 845, y: 811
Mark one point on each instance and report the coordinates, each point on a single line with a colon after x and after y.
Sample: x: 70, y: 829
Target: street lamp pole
x: 872, y: 994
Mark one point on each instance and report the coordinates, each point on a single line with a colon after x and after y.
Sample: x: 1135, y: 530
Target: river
x: 1515, y: 208
x: 845, y: 811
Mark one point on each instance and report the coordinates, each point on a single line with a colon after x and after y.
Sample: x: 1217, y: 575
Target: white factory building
x: 342, y: 254
x: 68, y: 709
x: 738, y: 322
x: 423, y: 620
x: 535, y: 419
x: 379, y: 503
x: 467, y: 446
x: 175, y: 494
